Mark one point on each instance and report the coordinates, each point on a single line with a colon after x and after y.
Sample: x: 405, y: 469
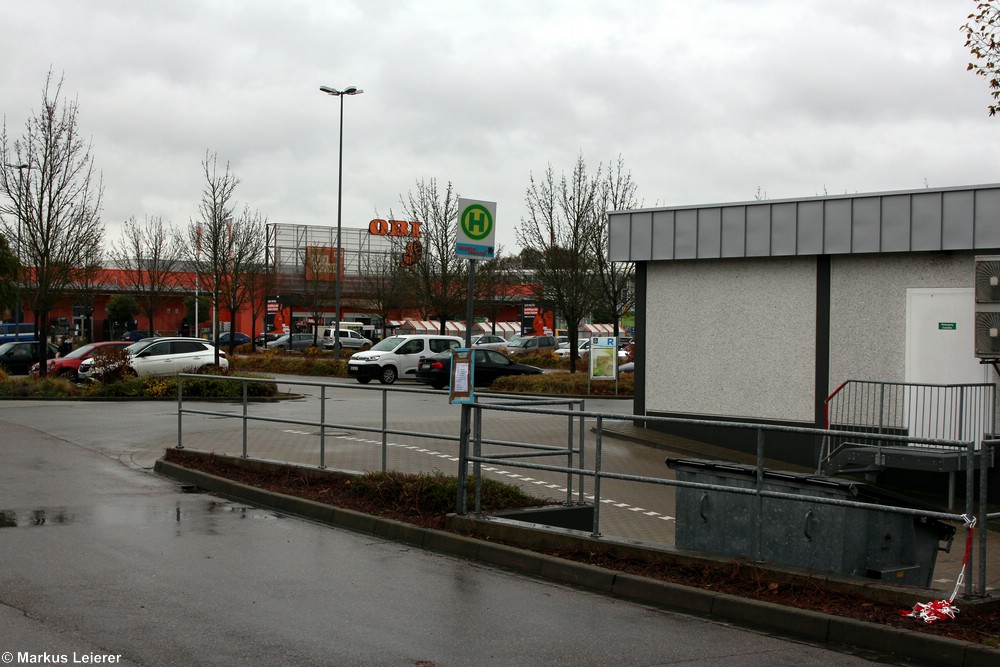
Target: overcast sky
x: 705, y: 100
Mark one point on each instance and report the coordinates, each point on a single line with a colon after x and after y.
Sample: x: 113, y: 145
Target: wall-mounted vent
x: 988, y: 280
x: 987, y: 288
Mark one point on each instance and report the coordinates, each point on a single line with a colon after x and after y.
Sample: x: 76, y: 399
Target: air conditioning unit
x: 987, y: 289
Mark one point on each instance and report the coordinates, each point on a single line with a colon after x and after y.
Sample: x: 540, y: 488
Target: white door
x: 940, y: 329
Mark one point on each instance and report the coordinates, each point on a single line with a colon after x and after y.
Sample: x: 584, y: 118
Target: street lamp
x: 350, y: 90
x: 20, y: 216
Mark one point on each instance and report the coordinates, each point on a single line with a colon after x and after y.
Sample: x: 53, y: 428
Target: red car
x: 67, y: 366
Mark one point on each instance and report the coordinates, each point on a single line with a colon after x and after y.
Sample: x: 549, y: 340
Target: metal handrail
x: 575, y: 453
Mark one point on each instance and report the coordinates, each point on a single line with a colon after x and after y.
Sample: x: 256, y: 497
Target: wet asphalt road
x: 101, y: 559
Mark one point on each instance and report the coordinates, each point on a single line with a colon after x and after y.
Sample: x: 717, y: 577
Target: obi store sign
x: 322, y: 263
x: 405, y: 228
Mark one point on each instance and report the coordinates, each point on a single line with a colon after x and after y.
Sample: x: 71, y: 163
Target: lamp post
x: 350, y: 90
x: 20, y: 216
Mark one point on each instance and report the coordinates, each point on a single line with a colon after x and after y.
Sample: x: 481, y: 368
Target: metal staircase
x: 883, y: 425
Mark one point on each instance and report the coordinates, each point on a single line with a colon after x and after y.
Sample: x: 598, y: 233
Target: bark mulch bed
x: 981, y: 626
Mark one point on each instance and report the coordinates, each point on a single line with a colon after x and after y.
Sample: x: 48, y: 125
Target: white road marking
x: 506, y: 473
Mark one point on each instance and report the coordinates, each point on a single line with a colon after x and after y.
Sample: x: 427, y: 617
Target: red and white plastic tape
x: 939, y: 610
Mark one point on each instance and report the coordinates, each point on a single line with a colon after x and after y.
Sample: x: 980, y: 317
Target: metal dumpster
x: 877, y: 544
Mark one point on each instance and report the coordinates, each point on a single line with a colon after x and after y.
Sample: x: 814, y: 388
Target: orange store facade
x: 291, y: 249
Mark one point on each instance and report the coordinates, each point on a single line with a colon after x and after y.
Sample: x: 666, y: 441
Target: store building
x: 758, y: 311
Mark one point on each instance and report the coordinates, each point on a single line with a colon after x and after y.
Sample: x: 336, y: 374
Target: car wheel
x: 364, y: 380
x: 387, y: 375
x: 438, y: 385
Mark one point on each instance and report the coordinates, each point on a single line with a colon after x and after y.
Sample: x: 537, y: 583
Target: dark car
x: 237, y: 337
x: 68, y: 365
x: 264, y: 338
x: 138, y: 334
x: 488, y: 365
x: 18, y: 357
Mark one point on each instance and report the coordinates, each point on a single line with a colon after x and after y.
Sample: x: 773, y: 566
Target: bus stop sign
x: 476, y: 229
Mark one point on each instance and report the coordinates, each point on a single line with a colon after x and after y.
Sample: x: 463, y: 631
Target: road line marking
x: 511, y: 475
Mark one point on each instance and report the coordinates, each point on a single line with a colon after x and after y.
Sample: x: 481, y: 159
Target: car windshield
x: 80, y: 352
x: 387, y: 344
x: 517, y: 342
x: 136, y: 348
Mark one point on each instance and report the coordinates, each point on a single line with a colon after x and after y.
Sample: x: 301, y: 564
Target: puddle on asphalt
x: 38, y: 517
x: 191, y: 513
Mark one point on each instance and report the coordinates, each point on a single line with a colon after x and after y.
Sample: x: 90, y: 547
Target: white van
x: 397, y: 356
x: 349, y: 339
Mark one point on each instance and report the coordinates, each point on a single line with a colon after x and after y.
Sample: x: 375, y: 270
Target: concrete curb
x: 824, y: 629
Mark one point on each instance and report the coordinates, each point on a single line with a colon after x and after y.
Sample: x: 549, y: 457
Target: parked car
x: 164, y: 356
x: 584, y: 350
x: 16, y: 358
x: 136, y: 335
x: 581, y: 350
x: 397, y: 356
x: 238, y: 338
x: 489, y: 341
x: 263, y: 339
x: 488, y: 365
x: 349, y: 339
x: 299, y: 341
x: 68, y: 366
x: 531, y: 345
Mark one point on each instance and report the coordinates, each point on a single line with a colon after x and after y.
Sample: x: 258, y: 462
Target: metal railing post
x: 985, y: 457
x: 245, y: 424
x: 569, y: 457
x: 322, y: 427
x: 180, y: 412
x: 583, y: 439
x: 385, y: 428
x: 477, y: 450
x: 597, y: 478
x: 760, y: 498
x: 970, y: 505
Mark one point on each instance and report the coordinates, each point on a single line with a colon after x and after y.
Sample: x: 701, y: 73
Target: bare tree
x: 89, y: 285
x: 498, y: 284
x: 559, y: 232
x: 615, y: 280
x: 209, y: 237
x: 245, y: 255
x: 440, y: 277
x: 260, y: 281
x: 383, y: 274
x: 982, y: 38
x: 56, y: 203
x: 148, y: 254
x: 319, y: 286
x: 9, y: 272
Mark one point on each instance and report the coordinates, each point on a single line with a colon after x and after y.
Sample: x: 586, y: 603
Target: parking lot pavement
x: 635, y: 511
x: 101, y: 560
